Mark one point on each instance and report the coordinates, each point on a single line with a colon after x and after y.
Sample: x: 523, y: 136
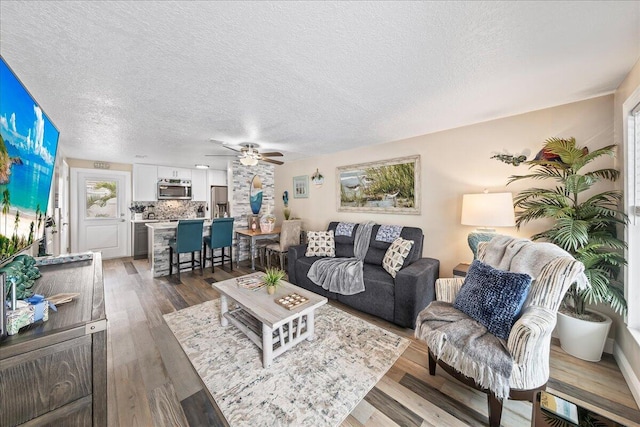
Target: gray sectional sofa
x: 397, y: 300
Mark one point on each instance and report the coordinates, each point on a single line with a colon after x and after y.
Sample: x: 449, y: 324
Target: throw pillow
x: 320, y: 243
x: 493, y: 297
x: 394, y: 257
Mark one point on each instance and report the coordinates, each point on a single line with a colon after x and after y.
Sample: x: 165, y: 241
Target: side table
x: 460, y: 270
x: 542, y: 418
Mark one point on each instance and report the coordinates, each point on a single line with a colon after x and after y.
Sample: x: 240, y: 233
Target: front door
x: 99, y: 211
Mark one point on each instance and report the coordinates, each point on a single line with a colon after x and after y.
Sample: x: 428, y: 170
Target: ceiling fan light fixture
x: 248, y: 160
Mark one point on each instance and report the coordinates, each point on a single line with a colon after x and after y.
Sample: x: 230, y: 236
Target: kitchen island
x: 159, y: 235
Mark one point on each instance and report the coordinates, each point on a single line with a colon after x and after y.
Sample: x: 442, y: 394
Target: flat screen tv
x: 28, y: 146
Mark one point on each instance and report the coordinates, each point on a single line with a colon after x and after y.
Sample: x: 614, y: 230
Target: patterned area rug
x: 315, y: 383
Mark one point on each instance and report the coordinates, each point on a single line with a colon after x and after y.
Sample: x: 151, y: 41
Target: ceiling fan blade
x: 237, y: 150
x: 275, y: 162
x: 220, y: 155
x: 272, y: 154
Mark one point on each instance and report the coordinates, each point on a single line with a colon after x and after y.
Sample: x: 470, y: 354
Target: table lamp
x: 485, y: 211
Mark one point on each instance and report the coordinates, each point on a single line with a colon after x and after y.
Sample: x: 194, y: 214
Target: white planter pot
x: 137, y: 216
x: 581, y: 338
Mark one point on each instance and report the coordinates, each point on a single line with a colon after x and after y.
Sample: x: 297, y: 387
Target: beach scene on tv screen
x: 28, y: 143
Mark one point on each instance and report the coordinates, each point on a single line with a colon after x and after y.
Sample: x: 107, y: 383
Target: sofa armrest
x: 530, y: 334
x: 293, y: 253
x: 414, y: 290
x: 447, y: 289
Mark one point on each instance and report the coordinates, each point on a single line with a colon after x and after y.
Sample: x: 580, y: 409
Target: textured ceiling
x: 161, y: 79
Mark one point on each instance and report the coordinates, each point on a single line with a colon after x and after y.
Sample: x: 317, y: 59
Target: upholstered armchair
x: 516, y: 366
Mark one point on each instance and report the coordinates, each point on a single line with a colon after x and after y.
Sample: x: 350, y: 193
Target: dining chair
x: 221, y: 237
x: 188, y: 239
x: 289, y: 235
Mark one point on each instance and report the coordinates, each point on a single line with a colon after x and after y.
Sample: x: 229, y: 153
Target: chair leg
x: 231, y: 257
x: 281, y: 260
x: 212, y: 268
x: 222, y: 258
x: 495, y: 410
x: 193, y: 261
x: 432, y: 364
x: 170, y: 260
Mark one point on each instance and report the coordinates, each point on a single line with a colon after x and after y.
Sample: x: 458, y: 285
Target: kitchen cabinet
x: 217, y: 177
x: 199, y: 185
x: 169, y: 172
x: 55, y: 372
x: 145, y: 183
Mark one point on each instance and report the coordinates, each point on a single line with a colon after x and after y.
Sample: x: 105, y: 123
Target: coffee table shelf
x: 252, y: 327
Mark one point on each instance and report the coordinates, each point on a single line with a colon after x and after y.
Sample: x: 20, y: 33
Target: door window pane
x: 101, y: 199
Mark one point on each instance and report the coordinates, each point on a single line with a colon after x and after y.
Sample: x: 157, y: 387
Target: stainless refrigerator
x: 219, y: 201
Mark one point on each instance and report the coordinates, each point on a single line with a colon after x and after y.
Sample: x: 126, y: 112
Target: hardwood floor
x: 151, y: 382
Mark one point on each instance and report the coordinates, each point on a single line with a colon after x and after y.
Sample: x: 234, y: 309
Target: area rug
x: 316, y: 383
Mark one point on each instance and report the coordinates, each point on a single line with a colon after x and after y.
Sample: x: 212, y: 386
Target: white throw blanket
x: 344, y: 275
x: 523, y: 256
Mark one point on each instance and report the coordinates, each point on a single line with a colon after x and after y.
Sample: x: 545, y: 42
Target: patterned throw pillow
x: 493, y: 297
x: 320, y: 243
x: 394, y: 258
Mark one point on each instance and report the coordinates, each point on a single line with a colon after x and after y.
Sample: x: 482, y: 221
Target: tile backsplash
x: 172, y: 209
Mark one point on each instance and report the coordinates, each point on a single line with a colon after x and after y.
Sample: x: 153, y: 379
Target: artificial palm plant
x: 584, y: 223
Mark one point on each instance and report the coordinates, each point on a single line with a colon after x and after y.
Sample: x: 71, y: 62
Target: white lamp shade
x: 488, y: 210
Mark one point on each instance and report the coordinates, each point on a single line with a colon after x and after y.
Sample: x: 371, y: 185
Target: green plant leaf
x: 584, y: 226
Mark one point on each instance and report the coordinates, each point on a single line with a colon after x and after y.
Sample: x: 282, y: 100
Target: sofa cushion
x: 493, y: 297
x: 378, y: 297
x: 378, y: 249
x: 395, y: 255
x: 320, y: 243
x: 344, y: 244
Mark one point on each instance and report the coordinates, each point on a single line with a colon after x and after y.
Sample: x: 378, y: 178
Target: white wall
x: 454, y: 162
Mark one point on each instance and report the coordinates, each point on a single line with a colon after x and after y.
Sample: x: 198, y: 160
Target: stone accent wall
x: 239, y: 189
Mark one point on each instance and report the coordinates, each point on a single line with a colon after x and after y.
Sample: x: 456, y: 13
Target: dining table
x: 253, y: 236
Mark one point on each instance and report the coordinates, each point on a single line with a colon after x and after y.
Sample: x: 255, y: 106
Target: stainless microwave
x: 171, y: 189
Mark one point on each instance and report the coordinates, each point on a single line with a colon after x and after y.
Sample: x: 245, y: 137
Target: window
x: 101, y: 199
x: 631, y: 113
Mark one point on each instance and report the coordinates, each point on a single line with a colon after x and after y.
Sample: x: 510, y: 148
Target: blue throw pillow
x: 493, y: 297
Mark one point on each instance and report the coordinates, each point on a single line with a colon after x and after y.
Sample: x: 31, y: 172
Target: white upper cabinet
x: 217, y: 177
x: 145, y: 183
x: 168, y: 172
x: 199, y: 185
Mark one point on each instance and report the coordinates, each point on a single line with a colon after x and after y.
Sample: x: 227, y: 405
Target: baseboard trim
x: 609, y: 345
x: 625, y: 368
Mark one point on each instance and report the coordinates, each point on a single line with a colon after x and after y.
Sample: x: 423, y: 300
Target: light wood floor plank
x: 428, y: 411
x: 165, y: 408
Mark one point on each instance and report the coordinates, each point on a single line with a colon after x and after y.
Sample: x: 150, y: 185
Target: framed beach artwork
x: 388, y: 186
x: 301, y: 187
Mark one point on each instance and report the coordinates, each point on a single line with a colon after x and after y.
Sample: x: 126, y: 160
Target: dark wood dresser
x: 55, y: 373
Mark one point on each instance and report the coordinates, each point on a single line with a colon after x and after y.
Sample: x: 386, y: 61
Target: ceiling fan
x: 249, y: 154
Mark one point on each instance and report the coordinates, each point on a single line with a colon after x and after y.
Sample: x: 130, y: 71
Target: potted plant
x: 584, y: 223
x: 272, y: 278
x: 137, y: 211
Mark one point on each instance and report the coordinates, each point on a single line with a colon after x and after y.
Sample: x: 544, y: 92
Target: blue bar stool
x: 188, y: 239
x: 221, y: 237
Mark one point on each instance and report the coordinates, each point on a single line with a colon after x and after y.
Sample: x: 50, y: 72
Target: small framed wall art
x: 301, y: 187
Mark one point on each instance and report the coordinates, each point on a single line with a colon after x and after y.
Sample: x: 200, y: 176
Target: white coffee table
x: 273, y: 328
